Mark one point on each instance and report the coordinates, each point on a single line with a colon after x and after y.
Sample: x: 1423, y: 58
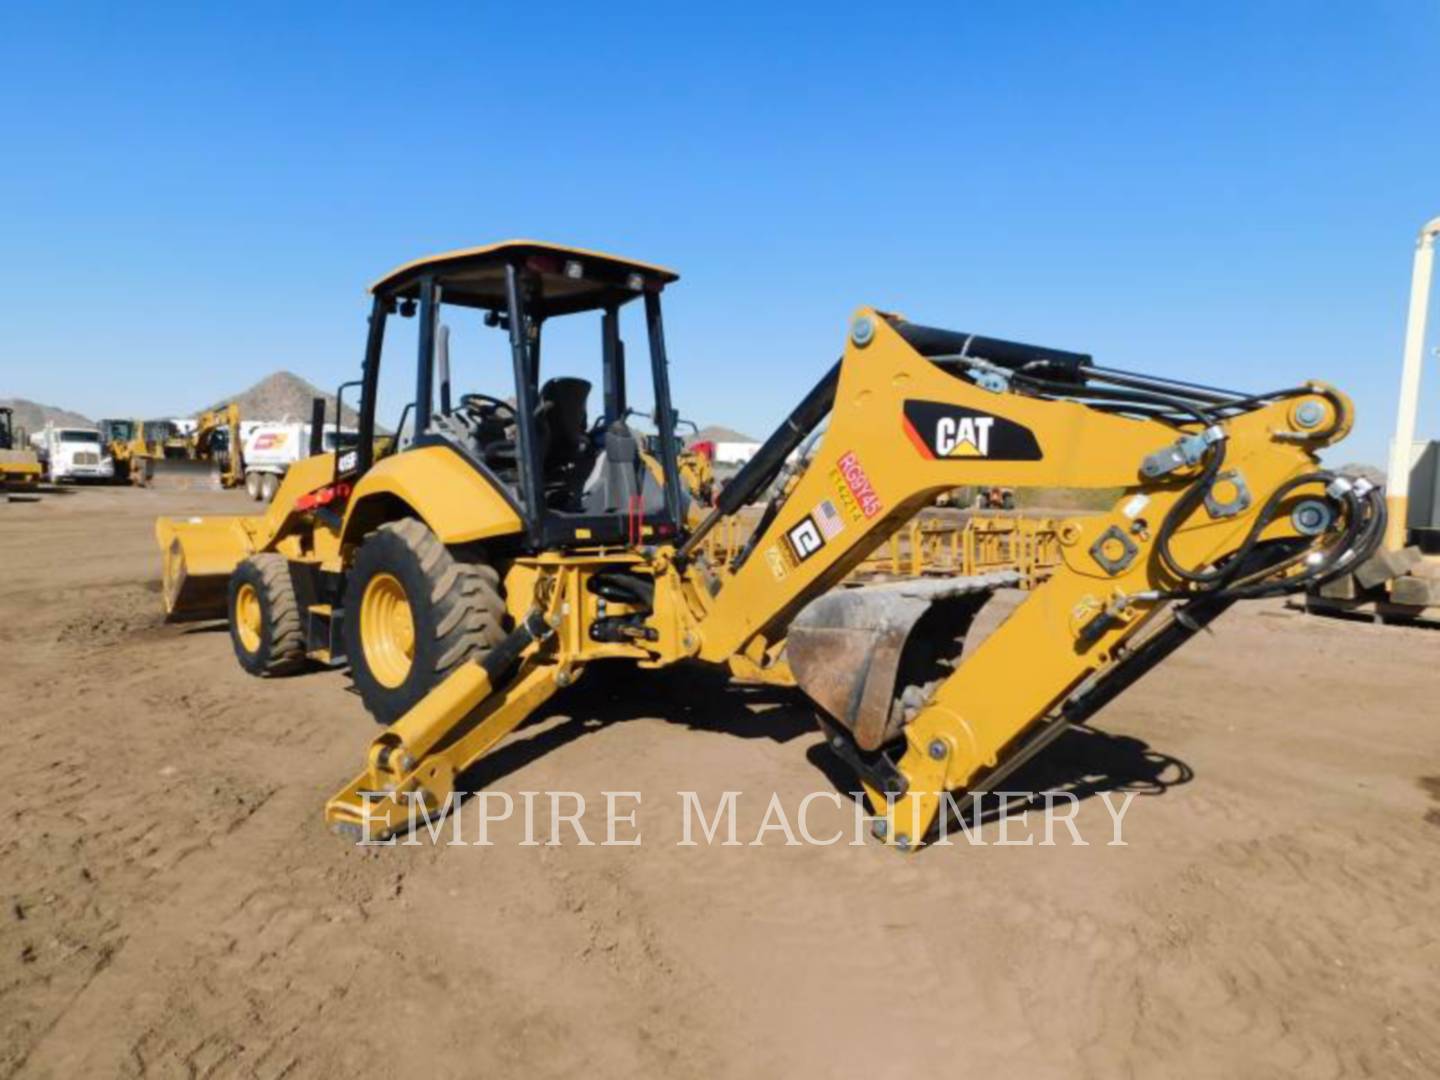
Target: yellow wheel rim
x: 387, y: 630
x: 248, y: 617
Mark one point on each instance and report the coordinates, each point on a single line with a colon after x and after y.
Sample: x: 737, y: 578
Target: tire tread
x: 464, y: 593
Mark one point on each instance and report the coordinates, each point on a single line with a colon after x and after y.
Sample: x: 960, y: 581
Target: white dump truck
x: 271, y: 448
x: 73, y: 453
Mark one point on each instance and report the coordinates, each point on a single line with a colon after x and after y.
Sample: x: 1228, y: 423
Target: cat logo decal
x: 953, y: 432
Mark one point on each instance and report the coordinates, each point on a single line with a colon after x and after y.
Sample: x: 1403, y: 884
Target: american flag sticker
x: 829, y: 520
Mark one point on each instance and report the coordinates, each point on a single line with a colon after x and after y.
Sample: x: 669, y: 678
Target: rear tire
x: 252, y: 485
x: 265, y: 624
x: 269, y: 484
x: 413, y: 614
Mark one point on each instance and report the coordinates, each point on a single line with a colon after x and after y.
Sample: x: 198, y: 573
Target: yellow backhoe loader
x: 470, y: 575
x: 208, y: 458
x: 19, y: 464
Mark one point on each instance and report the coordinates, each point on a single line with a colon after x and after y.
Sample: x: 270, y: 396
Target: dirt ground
x: 174, y: 906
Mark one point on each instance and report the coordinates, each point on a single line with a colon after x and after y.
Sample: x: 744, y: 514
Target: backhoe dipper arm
x: 1221, y: 498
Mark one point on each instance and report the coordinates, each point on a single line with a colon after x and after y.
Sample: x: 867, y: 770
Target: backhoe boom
x: 1221, y: 498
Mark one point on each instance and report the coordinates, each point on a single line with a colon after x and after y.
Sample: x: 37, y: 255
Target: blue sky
x: 193, y: 198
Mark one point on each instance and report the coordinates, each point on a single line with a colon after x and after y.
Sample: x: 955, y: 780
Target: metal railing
x: 936, y: 546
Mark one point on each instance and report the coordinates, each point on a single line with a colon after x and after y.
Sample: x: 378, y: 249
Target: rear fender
x: 455, y: 499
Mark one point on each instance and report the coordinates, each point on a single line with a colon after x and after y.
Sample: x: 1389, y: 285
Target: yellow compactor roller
x: 19, y: 464
x: 515, y: 542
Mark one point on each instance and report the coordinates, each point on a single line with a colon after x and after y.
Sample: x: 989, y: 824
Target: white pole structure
x: 1397, y: 481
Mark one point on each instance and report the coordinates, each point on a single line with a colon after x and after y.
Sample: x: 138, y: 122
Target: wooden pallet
x: 1375, y: 611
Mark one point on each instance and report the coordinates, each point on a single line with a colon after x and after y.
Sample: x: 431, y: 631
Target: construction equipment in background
x: 135, y: 445
x: 125, y: 444
x: 949, y: 544
x: 172, y: 437
x: 697, y: 473
x: 696, y: 467
x: 209, y: 458
x: 937, y: 542
x: 995, y: 498
x: 469, y: 576
x: 20, y: 467
x: 1401, y: 582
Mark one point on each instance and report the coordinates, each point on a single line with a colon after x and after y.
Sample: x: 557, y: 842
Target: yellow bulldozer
x: 136, y: 445
x: 512, y: 545
x: 210, y: 457
x: 124, y: 442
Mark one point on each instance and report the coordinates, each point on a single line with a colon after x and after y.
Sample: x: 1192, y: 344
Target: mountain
x: 32, y: 416
x: 284, y: 396
x: 716, y: 433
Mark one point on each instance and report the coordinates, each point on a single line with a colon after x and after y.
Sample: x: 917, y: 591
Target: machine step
x: 323, y: 640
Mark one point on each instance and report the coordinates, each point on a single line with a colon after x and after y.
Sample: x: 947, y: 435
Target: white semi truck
x: 73, y: 453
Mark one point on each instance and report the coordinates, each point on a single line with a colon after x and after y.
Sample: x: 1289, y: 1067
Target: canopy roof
x: 571, y: 279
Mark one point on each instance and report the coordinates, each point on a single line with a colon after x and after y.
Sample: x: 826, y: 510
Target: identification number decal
x: 348, y: 461
x: 853, y: 489
x: 953, y: 432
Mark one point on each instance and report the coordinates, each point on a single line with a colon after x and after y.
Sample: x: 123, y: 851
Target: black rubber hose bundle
x: 1364, y: 522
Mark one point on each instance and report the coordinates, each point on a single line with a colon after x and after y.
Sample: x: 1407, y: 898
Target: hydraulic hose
x: 1364, y: 521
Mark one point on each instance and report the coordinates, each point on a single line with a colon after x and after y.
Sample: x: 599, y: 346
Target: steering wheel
x: 483, y: 405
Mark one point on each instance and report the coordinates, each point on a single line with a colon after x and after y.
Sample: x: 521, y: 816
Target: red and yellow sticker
x: 852, y: 486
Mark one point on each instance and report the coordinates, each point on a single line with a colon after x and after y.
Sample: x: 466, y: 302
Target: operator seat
x: 616, y: 479
x: 566, y: 451
x: 564, y: 421
x: 620, y: 482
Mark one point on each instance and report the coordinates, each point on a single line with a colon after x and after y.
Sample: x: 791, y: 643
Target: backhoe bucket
x: 198, y: 557
x: 871, y: 655
x: 184, y: 474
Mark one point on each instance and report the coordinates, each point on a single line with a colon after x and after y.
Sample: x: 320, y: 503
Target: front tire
x: 265, y: 625
x: 414, y: 613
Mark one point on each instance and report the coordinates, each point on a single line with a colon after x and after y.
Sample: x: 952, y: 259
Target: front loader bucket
x: 198, y: 555
x: 184, y: 474
x: 870, y: 655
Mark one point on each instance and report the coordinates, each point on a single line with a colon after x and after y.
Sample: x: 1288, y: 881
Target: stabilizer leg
x: 412, y: 766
